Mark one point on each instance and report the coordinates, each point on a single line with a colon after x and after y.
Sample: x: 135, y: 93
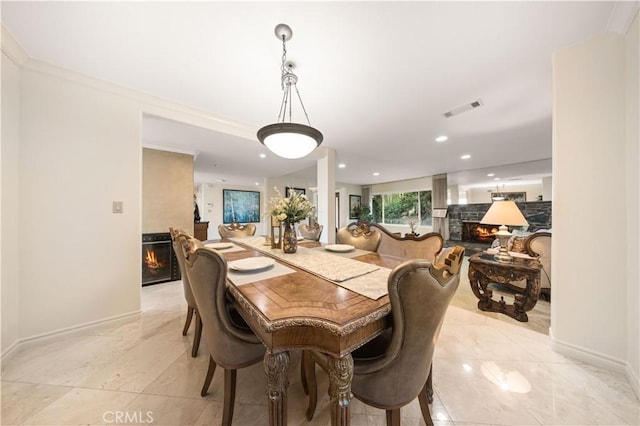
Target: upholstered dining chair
x: 310, y: 232
x: 392, y: 370
x: 231, y: 344
x: 179, y: 237
x: 360, y: 235
x: 236, y: 230
x: 538, y: 245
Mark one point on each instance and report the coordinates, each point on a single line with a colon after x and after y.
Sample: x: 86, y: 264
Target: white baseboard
x: 30, y: 341
x: 634, y: 380
x: 590, y: 357
x: 597, y: 359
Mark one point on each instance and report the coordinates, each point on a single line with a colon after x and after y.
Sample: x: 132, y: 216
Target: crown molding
x: 12, y: 48
x: 622, y: 16
x: 148, y: 104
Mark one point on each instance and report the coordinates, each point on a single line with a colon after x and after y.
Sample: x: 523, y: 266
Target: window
x: 401, y: 207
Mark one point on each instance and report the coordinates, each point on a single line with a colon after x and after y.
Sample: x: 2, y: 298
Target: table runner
x: 333, y: 268
x: 371, y: 284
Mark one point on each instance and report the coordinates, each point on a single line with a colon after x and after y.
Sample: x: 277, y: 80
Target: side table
x: 484, y: 269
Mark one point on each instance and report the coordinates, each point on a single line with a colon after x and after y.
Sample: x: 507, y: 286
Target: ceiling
x: 375, y: 78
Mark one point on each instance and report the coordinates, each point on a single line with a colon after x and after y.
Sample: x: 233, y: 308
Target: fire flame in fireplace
x: 151, y: 261
x: 483, y: 231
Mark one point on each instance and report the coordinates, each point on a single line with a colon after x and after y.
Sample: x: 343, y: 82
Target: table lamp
x: 504, y: 213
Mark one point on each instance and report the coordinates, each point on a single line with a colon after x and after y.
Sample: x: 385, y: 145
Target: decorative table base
x: 484, y: 269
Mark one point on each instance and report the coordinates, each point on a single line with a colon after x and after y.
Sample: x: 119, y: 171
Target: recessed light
x: 263, y: 155
x: 342, y: 165
x: 376, y: 173
x: 491, y: 174
x: 442, y: 138
x: 466, y: 156
x: 496, y: 178
x: 257, y: 183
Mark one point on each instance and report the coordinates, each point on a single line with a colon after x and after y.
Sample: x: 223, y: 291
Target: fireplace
x: 159, y: 263
x: 476, y: 232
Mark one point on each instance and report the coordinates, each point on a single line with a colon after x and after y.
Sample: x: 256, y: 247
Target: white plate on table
x: 251, y: 264
x: 219, y: 246
x: 339, y: 248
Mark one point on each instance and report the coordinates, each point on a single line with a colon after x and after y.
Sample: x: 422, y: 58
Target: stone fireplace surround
x: 537, y: 213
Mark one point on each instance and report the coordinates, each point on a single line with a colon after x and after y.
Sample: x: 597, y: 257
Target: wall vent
x: 466, y: 107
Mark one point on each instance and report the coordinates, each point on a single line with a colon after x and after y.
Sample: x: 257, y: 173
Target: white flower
x: 291, y: 209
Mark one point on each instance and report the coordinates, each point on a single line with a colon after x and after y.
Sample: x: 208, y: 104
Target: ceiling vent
x: 466, y: 107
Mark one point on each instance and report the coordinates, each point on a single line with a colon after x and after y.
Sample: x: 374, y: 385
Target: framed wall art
x: 240, y: 206
x: 355, y: 202
x: 287, y: 191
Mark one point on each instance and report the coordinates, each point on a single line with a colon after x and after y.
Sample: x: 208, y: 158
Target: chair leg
x: 393, y: 417
x: 424, y: 404
x: 187, y: 322
x: 229, y: 396
x: 429, y: 385
x: 303, y: 376
x: 209, y: 377
x: 310, y: 385
x: 197, y: 335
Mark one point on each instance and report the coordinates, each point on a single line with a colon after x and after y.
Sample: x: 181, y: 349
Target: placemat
x: 372, y: 285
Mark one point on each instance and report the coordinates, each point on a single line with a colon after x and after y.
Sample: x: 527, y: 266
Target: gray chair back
x: 419, y: 299
x: 360, y: 235
x: 178, y: 238
x: 236, y: 230
x: 538, y: 245
x: 310, y: 232
x: 231, y: 347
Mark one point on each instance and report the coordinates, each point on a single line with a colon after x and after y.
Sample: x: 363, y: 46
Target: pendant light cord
x: 285, y: 84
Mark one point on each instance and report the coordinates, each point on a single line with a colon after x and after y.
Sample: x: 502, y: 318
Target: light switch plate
x: 117, y: 206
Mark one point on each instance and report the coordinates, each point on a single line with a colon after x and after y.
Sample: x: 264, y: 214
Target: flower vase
x: 289, y: 240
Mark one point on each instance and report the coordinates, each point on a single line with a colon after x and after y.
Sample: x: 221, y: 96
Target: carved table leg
x: 340, y: 374
x: 276, y: 366
x: 482, y: 273
x: 480, y: 286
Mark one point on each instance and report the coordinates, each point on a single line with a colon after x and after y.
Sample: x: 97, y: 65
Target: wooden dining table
x: 301, y: 310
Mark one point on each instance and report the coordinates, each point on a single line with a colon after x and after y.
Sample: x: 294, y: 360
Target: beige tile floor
x: 487, y: 371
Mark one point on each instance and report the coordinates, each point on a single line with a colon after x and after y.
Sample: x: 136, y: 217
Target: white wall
x: 589, y: 310
x: 633, y: 203
x: 10, y: 216
x: 79, y: 152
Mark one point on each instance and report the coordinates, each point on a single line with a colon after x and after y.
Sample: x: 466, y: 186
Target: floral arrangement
x: 291, y: 209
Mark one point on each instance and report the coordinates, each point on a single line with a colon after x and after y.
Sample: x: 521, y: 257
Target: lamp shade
x: 290, y: 140
x: 504, y: 213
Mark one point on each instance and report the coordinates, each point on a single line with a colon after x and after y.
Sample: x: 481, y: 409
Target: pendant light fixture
x: 285, y: 138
